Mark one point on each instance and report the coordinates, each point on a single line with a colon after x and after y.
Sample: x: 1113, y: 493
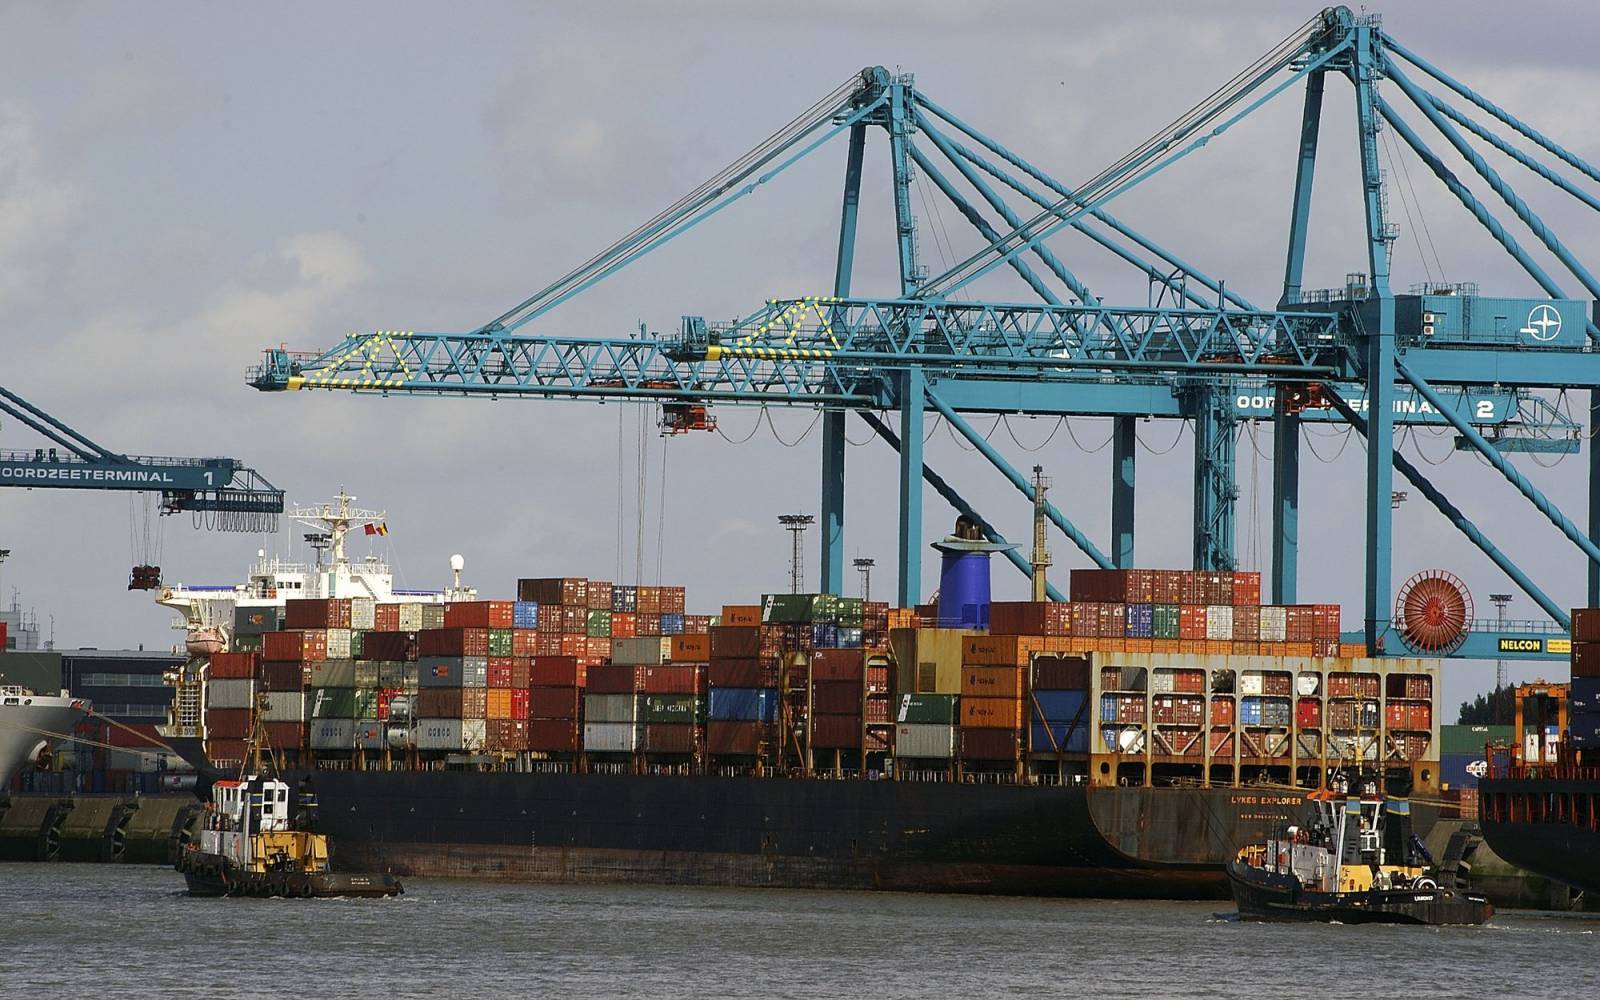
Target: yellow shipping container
x: 499, y: 703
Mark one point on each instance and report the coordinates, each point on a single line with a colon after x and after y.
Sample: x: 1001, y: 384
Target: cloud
x: 37, y: 205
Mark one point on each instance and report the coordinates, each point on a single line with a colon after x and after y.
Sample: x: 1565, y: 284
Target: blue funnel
x: 964, y: 579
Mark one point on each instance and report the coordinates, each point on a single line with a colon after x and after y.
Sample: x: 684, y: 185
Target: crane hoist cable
x: 1405, y: 206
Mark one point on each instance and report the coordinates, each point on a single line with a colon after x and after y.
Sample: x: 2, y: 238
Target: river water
x: 123, y: 931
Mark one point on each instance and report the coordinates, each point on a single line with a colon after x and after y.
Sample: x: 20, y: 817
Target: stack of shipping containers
x: 742, y: 693
x: 1583, y: 694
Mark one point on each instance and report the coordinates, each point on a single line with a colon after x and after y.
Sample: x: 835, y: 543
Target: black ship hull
x: 1545, y: 825
x: 1277, y: 898
x: 1055, y: 840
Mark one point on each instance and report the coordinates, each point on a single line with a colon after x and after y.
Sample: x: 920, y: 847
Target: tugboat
x: 1336, y: 869
x: 255, y: 842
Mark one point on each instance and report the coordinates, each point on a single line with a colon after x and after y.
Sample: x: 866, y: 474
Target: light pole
x: 1500, y: 601
x: 864, y: 567
x: 796, y: 525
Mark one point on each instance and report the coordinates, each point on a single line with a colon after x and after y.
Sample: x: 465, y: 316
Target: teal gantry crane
x: 1362, y: 354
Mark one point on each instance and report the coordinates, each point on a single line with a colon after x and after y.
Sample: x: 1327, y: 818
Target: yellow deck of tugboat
x: 294, y: 850
x: 1359, y: 878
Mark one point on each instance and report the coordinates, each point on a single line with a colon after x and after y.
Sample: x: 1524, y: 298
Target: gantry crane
x: 221, y: 493
x: 1360, y: 354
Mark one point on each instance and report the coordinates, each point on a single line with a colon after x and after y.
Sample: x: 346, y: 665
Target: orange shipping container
x: 499, y: 703
x: 741, y: 614
x: 995, y: 650
x: 991, y: 682
x: 991, y: 713
x: 691, y: 648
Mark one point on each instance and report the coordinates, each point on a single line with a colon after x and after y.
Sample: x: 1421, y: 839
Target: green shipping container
x: 685, y: 708
x: 500, y: 641
x: 1164, y: 621
x: 246, y: 644
x: 800, y: 609
x: 1471, y: 739
x: 366, y: 703
x: 599, y: 625
x: 332, y: 703
x: 928, y: 709
x: 850, y: 612
x: 356, y: 635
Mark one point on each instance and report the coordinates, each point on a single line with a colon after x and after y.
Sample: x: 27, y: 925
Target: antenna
x: 1041, y: 552
x: 864, y: 567
x: 457, y: 564
x: 796, y: 525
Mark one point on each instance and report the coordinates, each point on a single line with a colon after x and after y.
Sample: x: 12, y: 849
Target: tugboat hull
x: 218, y: 879
x: 1268, y: 896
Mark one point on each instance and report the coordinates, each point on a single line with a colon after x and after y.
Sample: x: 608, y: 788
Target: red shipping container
x: 234, y: 666
x: 500, y: 670
x: 386, y: 696
x: 551, y: 622
x: 554, y: 590
x: 575, y: 620
x: 646, y: 624
x: 836, y: 697
x: 841, y: 732
x: 554, y: 735
x: 838, y: 665
x: 1324, y: 622
x: 506, y: 735
x: 1395, y: 715
x: 610, y: 679
x: 283, y: 676
x: 555, y: 702
x: 1299, y: 623
x: 669, y: 737
x: 389, y: 646
x: 286, y: 735
x: 1585, y: 625
x: 1060, y: 673
x: 648, y: 600
x: 549, y: 644
x: 1191, y: 587
x: 1585, y: 656
x: 521, y: 671
x: 696, y: 624
x: 623, y: 624
x: 228, y: 724
x: 735, y: 642
x: 479, y: 614
x: 1247, y: 623
x: 216, y: 750
x: 1307, y: 713
x: 453, y: 642
x: 671, y: 680
x: 597, y: 646
x: 1191, y: 621
x: 306, y: 613
x: 599, y: 597
x: 673, y: 600
x: 524, y: 642
x: 574, y: 645
x: 747, y: 614
x: 521, y: 699
x: 1222, y: 711
x: 1166, y: 586
x: 1022, y: 617
x: 386, y: 618
x: 295, y: 647
x: 1246, y: 589
x: 735, y: 738
x: 748, y: 673
x: 990, y: 744
x: 556, y: 671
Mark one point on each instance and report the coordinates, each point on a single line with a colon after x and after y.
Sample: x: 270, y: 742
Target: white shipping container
x: 924, y: 740
x: 361, y: 613
x: 439, y: 734
x: 474, y: 733
x: 369, y: 734
x: 641, y: 652
x: 1163, y: 682
x: 1219, y: 623
x: 231, y: 693
x: 611, y: 737
x: 367, y: 674
x: 285, y: 706
x: 1252, y: 682
x: 338, y: 644
x: 410, y: 617
x: 333, y: 734
x: 610, y: 708
x: 474, y: 671
x: 1274, y: 624
x: 432, y: 616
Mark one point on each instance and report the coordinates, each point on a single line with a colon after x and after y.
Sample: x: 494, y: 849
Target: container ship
x: 1539, y: 802
x: 1123, y: 743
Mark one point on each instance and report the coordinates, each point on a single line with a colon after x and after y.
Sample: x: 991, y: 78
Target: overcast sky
x: 182, y: 185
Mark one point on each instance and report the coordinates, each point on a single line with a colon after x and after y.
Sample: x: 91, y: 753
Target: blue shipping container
x: 1250, y: 711
x: 849, y: 638
x: 1461, y: 770
x: 525, y: 614
x: 1584, y: 729
x: 1141, y: 621
x: 1584, y: 696
x: 671, y: 624
x: 1077, y: 741
x: 1061, y: 706
x: 743, y: 704
x: 1108, y: 707
x: 825, y: 636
